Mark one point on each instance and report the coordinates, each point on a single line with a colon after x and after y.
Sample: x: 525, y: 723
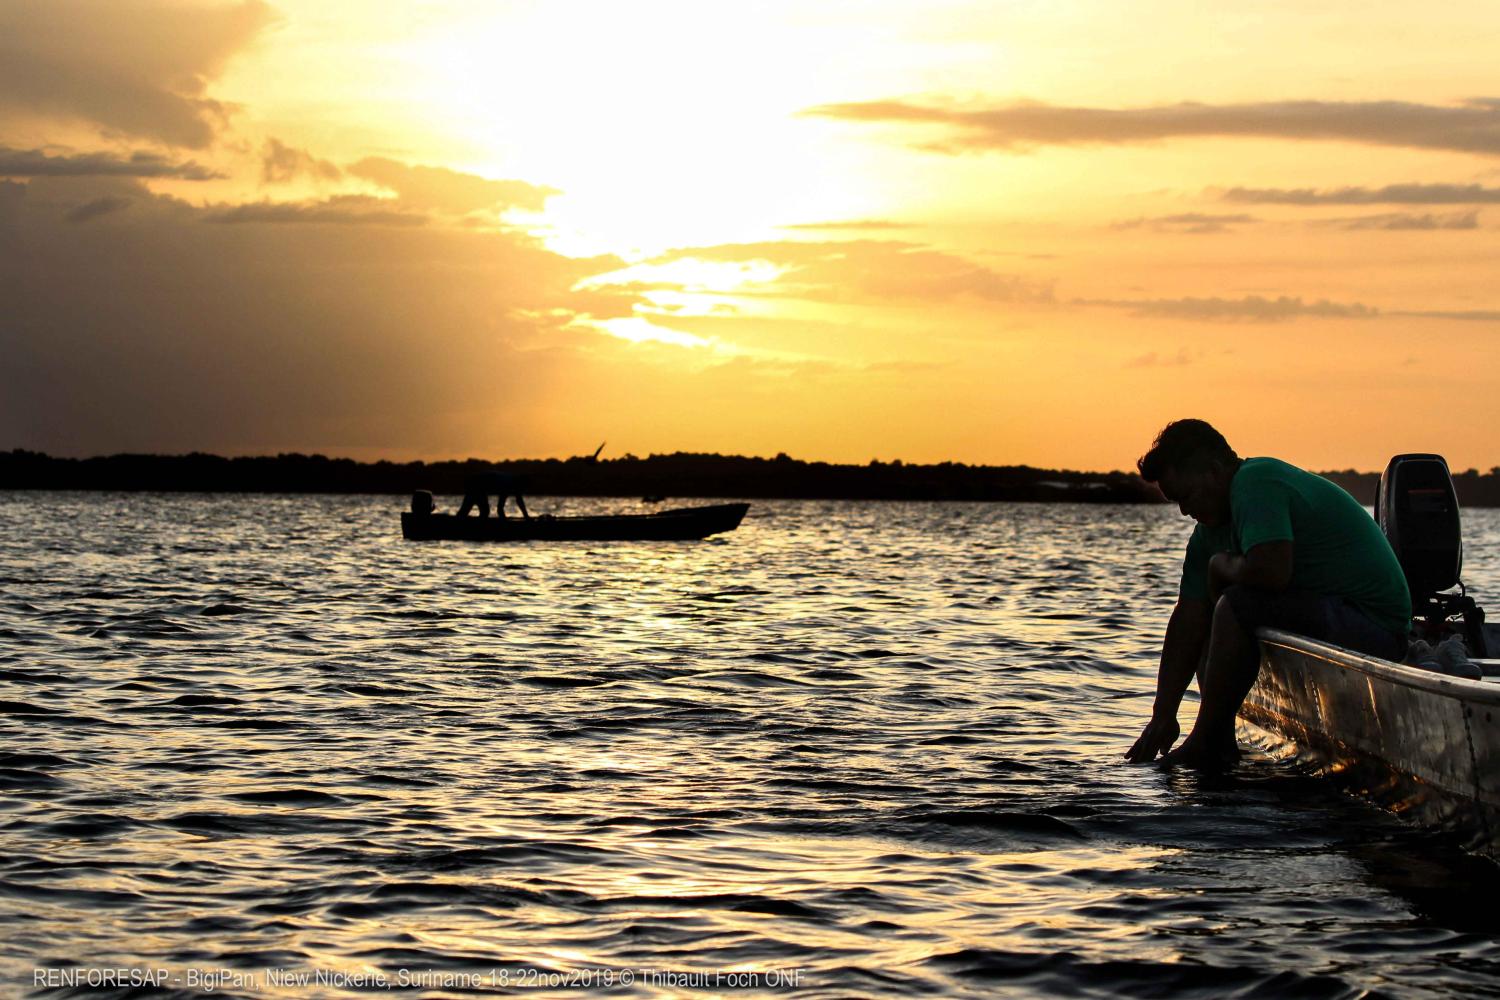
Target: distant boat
x: 1422, y: 744
x: 666, y: 525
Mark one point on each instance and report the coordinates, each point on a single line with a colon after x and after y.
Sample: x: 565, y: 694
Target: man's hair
x: 1185, y: 446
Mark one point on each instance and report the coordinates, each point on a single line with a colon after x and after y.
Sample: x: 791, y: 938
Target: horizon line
x: 873, y: 462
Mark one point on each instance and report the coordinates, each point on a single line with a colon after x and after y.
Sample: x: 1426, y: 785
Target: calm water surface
x: 848, y: 750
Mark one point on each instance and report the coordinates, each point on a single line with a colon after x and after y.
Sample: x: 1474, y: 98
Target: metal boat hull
x: 1422, y: 744
x: 667, y: 525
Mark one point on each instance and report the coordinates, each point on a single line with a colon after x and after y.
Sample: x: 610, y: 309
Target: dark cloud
x: 1258, y: 309
x: 281, y: 163
x: 451, y: 191
x: 74, y: 199
x: 159, y: 333
x: 1472, y: 127
x: 1392, y: 221
x: 1251, y: 308
x: 345, y: 210
x: 1187, y: 222
x: 97, y: 208
x: 1391, y: 194
x: 1462, y: 315
x: 871, y: 270
x: 36, y: 163
x: 139, y: 68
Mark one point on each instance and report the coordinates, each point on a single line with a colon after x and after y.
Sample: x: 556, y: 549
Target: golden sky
x: 998, y: 232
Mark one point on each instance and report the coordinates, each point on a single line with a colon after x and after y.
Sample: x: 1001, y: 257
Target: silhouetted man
x: 478, y: 487
x: 1274, y: 546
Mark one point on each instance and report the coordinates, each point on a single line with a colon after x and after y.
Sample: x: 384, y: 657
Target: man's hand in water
x: 1156, y: 738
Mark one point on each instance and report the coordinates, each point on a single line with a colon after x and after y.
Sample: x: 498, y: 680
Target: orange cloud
x: 1251, y: 308
x: 1398, y: 221
x: 855, y: 224
x: 867, y: 270
x: 346, y: 210
x: 1259, y: 309
x: 1473, y: 127
x: 1397, y: 194
x: 1187, y: 222
x: 451, y: 191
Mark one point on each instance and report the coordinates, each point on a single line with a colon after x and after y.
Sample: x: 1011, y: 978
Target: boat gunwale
x: 1396, y: 673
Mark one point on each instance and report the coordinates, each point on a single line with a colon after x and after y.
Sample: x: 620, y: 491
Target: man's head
x: 1193, y: 466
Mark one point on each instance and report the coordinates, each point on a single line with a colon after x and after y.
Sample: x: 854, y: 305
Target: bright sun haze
x: 993, y: 233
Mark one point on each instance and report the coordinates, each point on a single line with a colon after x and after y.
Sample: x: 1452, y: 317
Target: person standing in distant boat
x: 1275, y: 546
x: 480, y: 485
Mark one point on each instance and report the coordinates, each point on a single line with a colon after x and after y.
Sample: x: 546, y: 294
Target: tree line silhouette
x: 678, y: 475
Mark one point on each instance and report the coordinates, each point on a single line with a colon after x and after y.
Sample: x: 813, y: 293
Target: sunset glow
x: 999, y: 233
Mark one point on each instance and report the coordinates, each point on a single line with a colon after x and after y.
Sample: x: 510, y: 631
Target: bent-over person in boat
x: 479, y: 486
x: 1274, y: 546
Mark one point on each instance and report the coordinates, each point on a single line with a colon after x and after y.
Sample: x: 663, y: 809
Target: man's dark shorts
x: 1317, y: 616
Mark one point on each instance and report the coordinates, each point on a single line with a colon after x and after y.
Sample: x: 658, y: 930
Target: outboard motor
x: 421, y: 502
x: 1417, y: 508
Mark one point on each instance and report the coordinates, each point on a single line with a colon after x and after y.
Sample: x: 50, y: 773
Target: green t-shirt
x: 1337, y: 548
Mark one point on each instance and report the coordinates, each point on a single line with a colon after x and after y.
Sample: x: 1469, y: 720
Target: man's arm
x: 1181, y: 651
x: 1268, y: 566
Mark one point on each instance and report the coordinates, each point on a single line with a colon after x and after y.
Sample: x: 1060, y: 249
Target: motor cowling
x: 421, y: 502
x: 1417, y: 508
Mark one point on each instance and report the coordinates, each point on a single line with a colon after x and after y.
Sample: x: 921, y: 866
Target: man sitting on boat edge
x: 478, y: 486
x: 1274, y: 546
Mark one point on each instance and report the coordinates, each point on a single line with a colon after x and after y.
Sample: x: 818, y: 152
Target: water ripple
x: 876, y: 743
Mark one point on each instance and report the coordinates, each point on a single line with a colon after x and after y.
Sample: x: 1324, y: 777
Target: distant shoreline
x: 675, y: 476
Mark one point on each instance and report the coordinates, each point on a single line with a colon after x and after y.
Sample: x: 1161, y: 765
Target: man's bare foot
x: 1203, y: 755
